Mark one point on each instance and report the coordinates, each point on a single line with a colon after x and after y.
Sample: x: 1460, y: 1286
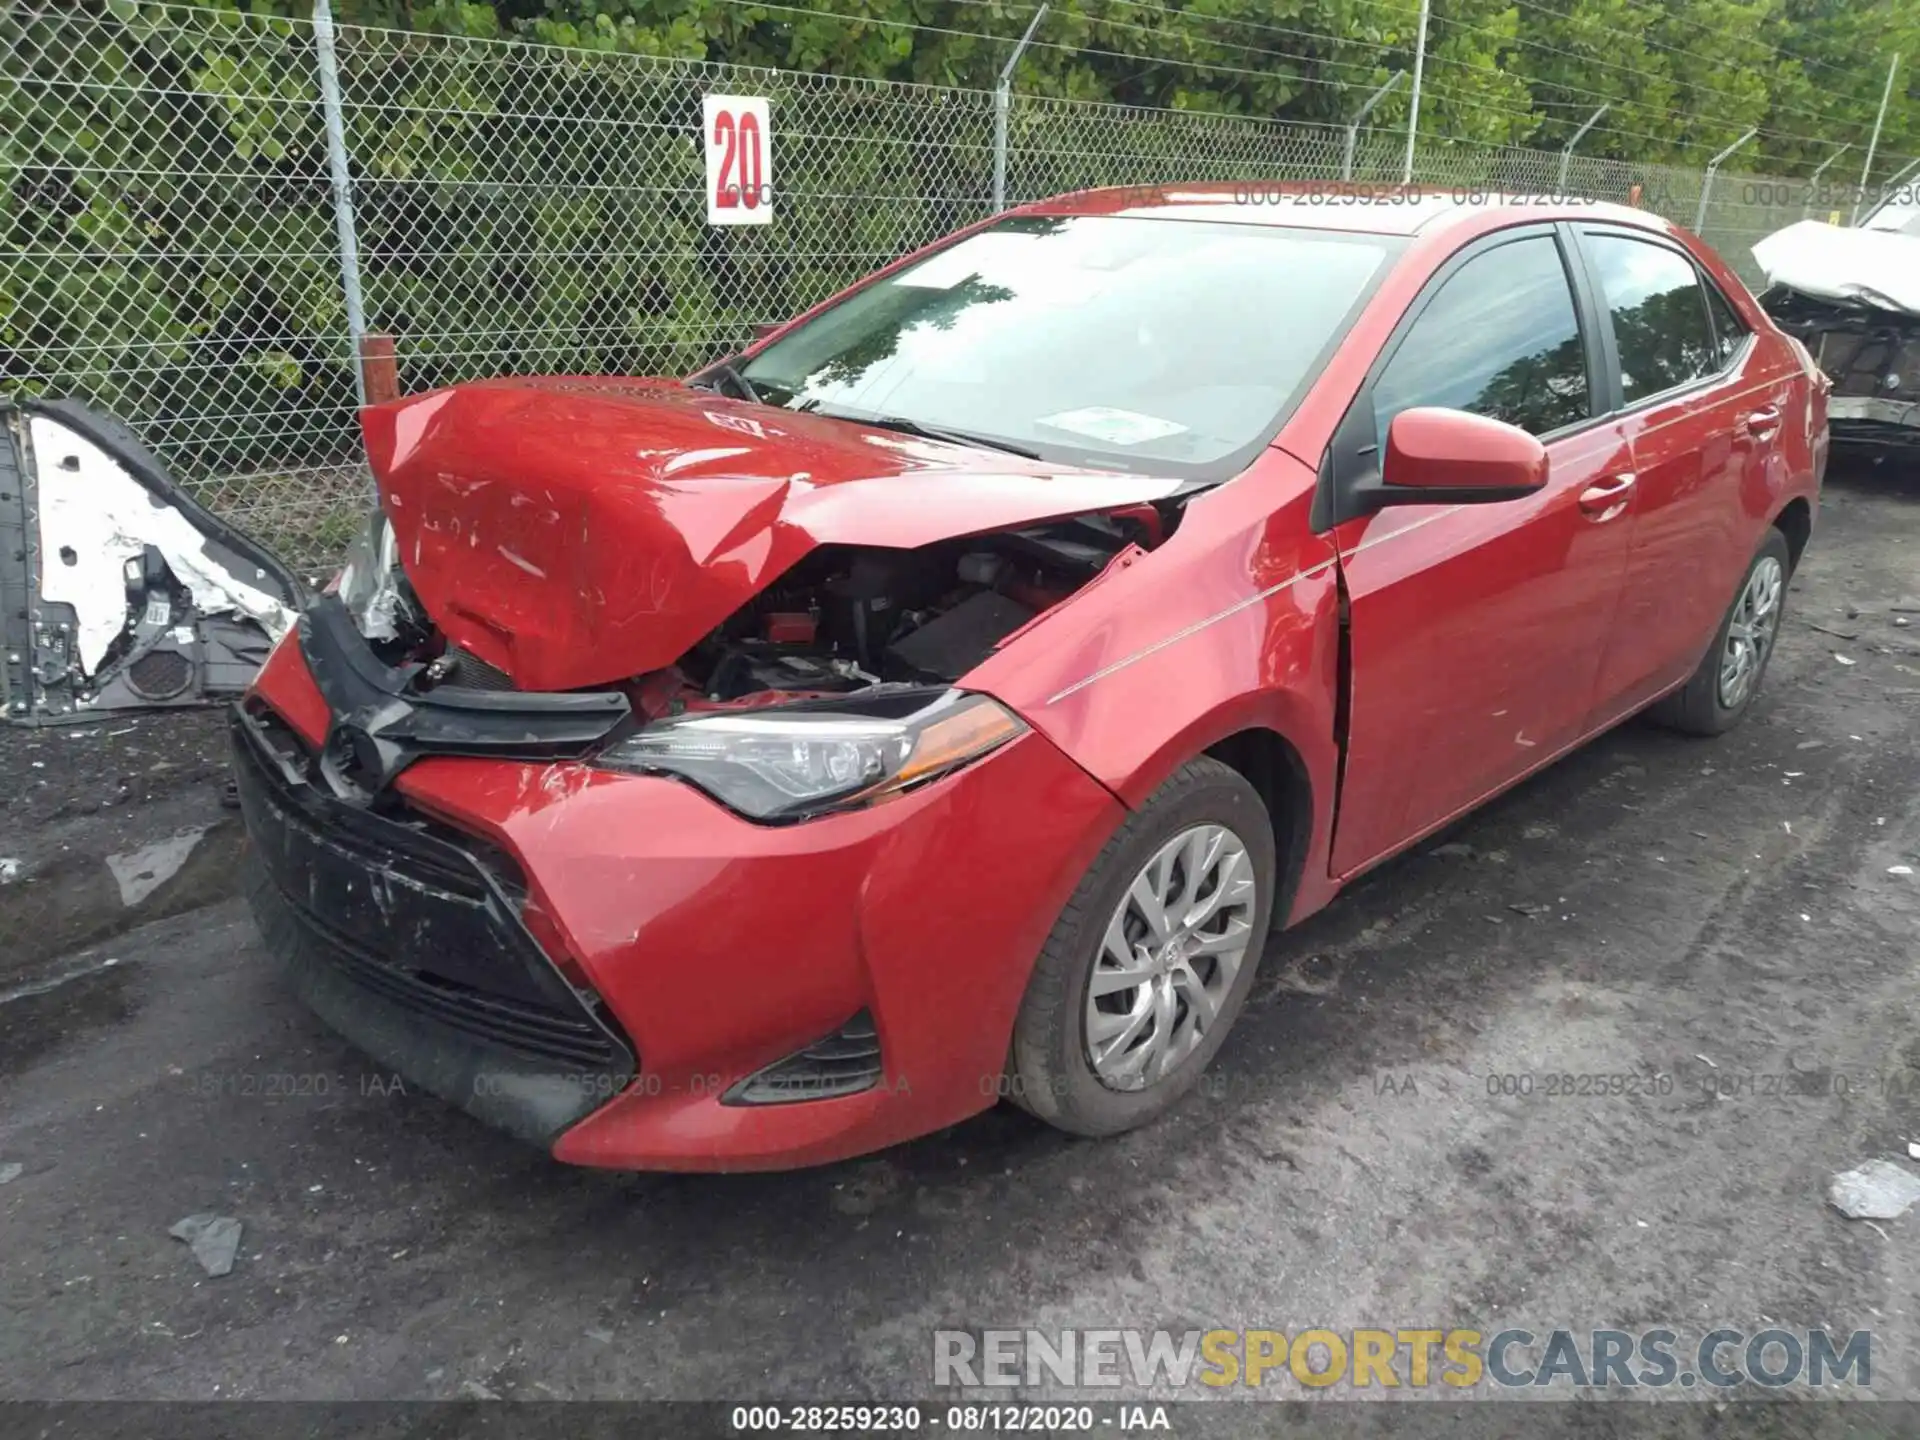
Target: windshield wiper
x: 741, y: 386
x: 926, y: 432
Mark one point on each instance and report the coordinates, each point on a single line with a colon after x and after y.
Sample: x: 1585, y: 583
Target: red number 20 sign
x: 739, y: 149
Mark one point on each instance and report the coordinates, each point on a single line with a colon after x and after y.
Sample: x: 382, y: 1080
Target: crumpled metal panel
x: 118, y: 591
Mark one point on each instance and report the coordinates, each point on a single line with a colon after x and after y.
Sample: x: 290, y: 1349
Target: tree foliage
x: 1683, y: 78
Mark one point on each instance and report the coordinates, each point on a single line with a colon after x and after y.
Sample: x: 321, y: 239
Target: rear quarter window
x: 1659, y: 313
x: 1729, y: 330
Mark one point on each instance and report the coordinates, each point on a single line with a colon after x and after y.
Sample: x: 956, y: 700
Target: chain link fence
x: 1057, y: 145
x: 168, y: 249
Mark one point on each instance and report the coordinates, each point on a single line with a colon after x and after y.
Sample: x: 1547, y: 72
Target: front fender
x: 1231, y: 625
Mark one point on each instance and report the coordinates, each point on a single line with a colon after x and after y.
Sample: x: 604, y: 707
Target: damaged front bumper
x: 788, y: 994
x: 407, y: 938
x: 117, y: 590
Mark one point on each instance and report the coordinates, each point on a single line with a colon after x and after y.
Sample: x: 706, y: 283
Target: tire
x: 1051, y: 1070
x: 1705, y: 705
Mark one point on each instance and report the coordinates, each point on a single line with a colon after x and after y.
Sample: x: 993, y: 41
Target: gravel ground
x: 1716, y: 913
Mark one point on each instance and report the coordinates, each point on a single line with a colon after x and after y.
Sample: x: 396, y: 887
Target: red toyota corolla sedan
x: 942, y: 700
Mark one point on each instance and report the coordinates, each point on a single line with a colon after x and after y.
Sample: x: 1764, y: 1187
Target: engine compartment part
x: 953, y: 642
x: 864, y: 627
x: 850, y: 620
x: 118, y: 590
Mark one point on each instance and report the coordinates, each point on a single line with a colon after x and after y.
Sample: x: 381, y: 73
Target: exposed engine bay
x: 845, y: 621
x: 117, y: 590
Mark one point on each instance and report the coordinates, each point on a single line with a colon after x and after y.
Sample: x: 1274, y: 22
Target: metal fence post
x: 1713, y: 168
x: 1814, y: 179
x: 342, y: 188
x: 1566, y: 155
x: 1866, y: 170
x: 1353, y: 126
x: 1002, y: 103
x: 1888, y: 186
x: 1413, y: 108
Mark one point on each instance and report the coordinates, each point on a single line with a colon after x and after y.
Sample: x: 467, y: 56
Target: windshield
x: 1170, y: 345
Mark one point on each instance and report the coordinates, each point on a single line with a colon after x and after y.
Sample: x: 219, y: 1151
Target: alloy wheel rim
x: 1750, y: 634
x: 1168, y: 957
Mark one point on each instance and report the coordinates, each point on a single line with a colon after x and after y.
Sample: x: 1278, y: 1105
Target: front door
x: 1476, y: 631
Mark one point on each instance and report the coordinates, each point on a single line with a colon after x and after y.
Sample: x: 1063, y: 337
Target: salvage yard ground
x: 1728, y: 915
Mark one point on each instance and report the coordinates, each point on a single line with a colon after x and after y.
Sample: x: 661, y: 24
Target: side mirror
x: 1448, y: 457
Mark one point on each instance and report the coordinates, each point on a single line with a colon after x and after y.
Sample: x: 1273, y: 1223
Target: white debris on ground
x: 214, y: 1240
x: 9, y: 870
x: 11, y: 1171
x: 1878, y: 1190
x: 140, y: 872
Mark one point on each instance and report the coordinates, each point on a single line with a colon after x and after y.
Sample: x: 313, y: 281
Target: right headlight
x: 784, y: 764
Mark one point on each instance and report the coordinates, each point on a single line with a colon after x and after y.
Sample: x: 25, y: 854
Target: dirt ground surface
x: 1721, y: 920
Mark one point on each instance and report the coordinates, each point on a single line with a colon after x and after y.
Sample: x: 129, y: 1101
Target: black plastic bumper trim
x: 845, y: 1062
x: 381, y: 724
x: 468, y: 1007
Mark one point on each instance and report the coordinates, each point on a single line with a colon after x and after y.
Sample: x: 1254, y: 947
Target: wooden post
x: 378, y: 366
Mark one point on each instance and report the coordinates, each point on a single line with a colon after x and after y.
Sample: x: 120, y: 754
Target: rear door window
x: 1501, y: 338
x: 1659, y: 312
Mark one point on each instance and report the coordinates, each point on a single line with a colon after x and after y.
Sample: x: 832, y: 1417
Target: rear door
x: 1702, y: 425
x: 1475, y: 631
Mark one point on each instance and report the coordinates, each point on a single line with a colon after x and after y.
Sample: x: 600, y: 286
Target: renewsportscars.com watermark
x: 1453, y: 1359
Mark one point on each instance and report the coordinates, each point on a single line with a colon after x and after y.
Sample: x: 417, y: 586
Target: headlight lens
x: 785, y: 764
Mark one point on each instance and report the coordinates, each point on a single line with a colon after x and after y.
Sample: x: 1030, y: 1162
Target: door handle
x: 1762, y: 423
x: 1607, y: 498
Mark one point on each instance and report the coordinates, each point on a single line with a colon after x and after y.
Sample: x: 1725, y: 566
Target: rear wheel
x: 1151, y: 961
x: 1721, y: 690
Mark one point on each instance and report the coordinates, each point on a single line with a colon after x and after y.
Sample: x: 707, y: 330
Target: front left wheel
x: 1151, y: 960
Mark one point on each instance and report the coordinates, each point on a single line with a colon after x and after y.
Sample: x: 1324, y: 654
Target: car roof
x: 1357, y: 206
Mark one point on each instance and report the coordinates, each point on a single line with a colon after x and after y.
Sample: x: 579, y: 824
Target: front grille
x: 535, y: 1031
x: 470, y: 672
x: 413, y: 912
x: 843, y: 1063
x: 434, y: 852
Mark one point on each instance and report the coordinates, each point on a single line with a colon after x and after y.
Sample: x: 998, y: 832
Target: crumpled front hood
x: 575, y: 532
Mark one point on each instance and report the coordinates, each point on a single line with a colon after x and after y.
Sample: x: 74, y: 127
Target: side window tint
x: 1659, y: 315
x: 1500, y: 339
x: 1729, y: 330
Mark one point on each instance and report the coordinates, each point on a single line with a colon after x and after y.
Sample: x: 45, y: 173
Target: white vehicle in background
x: 1852, y: 297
